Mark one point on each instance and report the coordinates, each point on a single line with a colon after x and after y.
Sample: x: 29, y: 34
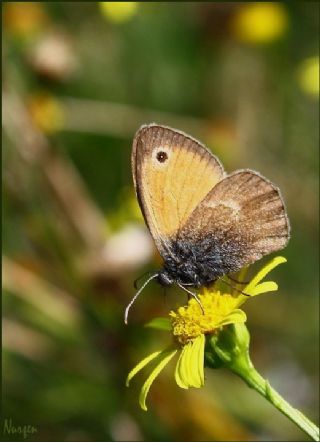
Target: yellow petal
x: 140, y: 366
x: 190, y: 364
x: 236, y: 316
x: 166, y: 356
x: 264, y: 287
x: 199, y: 357
x: 263, y: 272
x: 180, y: 372
x: 186, y: 364
x: 189, y: 370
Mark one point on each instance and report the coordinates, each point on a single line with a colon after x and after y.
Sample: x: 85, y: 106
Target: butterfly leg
x: 238, y: 282
x: 233, y: 287
x: 192, y: 294
x: 188, y: 293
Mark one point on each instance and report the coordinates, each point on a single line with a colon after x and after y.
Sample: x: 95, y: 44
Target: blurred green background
x: 78, y: 81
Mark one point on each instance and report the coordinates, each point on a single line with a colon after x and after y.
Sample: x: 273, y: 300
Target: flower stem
x: 245, y: 369
x: 230, y: 348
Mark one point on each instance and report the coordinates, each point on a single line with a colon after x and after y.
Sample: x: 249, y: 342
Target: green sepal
x: 229, y: 346
x: 159, y: 324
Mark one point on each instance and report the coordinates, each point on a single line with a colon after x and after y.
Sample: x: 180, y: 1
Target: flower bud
x: 229, y: 347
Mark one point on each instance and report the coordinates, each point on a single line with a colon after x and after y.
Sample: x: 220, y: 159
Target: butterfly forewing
x: 240, y: 220
x: 172, y: 173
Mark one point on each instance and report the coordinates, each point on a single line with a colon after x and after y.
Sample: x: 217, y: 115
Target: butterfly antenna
x: 193, y: 295
x: 234, y: 288
x: 135, y: 282
x: 126, y: 313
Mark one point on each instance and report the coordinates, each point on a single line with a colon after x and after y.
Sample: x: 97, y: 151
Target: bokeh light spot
x: 118, y: 12
x: 260, y: 23
x: 308, y: 76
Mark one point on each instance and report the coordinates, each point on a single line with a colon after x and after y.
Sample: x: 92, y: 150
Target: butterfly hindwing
x: 172, y: 174
x: 240, y: 220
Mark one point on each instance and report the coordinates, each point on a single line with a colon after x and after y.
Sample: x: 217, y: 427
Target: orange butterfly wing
x: 172, y: 173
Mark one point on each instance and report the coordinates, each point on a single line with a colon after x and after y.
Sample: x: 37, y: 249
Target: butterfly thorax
x: 188, y: 271
x: 184, y: 276
x: 199, y: 263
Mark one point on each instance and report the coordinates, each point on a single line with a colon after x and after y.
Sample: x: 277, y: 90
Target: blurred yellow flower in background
x: 260, y: 23
x: 46, y: 112
x: 308, y: 76
x: 24, y: 19
x: 118, y: 12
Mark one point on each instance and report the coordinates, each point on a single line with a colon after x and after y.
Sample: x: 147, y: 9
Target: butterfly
x: 205, y: 223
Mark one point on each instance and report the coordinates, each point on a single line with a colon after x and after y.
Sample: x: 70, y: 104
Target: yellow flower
x: 260, y: 22
x: 189, y: 326
x: 219, y: 309
x: 118, y: 12
x: 308, y: 76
